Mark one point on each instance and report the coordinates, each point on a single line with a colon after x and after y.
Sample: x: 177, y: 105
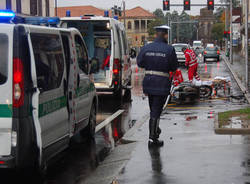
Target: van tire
x: 89, y: 131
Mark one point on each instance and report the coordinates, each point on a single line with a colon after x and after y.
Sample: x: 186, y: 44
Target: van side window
x: 82, y: 57
x: 49, y: 60
x: 119, y: 41
x: 4, y: 50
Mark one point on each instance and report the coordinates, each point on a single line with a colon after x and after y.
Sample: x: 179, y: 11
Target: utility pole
x: 231, y: 31
x: 246, y: 44
x: 56, y: 7
x: 124, y: 13
x: 226, y: 29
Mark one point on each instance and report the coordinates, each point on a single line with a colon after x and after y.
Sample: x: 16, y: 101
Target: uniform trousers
x: 156, y: 104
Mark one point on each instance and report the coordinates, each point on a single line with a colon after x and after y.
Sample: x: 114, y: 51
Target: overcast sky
x: 147, y: 4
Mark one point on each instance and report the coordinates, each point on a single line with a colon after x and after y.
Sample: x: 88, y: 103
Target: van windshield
x: 4, y: 45
x: 97, y: 36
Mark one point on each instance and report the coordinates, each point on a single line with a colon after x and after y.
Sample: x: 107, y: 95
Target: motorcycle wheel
x: 205, y: 91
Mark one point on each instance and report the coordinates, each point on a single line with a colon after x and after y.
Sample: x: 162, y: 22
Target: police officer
x: 158, y: 59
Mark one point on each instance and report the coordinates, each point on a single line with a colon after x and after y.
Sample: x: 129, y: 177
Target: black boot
x: 158, y: 129
x: 153, y: 133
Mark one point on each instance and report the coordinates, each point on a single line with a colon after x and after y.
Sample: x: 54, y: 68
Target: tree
x: 218, y: 31
x: 219, y: 13
x: 152, y: 24
x: 158, y: 13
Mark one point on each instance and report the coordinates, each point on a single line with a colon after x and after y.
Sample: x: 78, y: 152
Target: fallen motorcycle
x: 185, y: 93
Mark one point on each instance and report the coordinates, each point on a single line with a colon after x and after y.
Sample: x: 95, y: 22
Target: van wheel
x: 89, y: 131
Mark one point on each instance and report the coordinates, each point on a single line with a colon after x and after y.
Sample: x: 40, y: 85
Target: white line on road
x: 108, y: 120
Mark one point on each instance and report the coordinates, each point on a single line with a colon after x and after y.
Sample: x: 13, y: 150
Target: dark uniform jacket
x: 157, y: 56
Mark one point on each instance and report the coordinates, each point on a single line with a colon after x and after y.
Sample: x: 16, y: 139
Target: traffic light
x: 186, y: 4
x: 166, y: 5
x: 210, y: 4
x: 227, y: 34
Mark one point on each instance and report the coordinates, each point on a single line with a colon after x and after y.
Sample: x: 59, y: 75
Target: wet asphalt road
x: 191, y: 153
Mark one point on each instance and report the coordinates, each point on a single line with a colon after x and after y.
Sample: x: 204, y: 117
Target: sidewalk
x: 238, y: 70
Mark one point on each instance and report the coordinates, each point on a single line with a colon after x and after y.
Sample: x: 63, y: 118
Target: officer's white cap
x: 162, y: 28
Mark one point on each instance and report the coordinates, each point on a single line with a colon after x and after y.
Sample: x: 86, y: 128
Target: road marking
x: 188, y: 108
x: 108, y: 120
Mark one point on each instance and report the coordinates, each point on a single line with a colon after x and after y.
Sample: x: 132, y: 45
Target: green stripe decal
x: 83, y: 91
x: 52, y: 106
x: 5, y: 111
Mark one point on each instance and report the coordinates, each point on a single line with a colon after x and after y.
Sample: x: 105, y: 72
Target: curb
x: 239, y: 83
x: 229, y: 131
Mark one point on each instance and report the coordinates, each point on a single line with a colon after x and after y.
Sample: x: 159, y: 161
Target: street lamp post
x: 231, y: 32
x: 246, y: 42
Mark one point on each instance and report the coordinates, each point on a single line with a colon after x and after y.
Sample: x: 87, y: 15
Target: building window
x: 33, y: 7
x: 8, y: 4
x: 40, y: 8
x: 129, y: 25
x: 18, y: 6
x: 47, y: 8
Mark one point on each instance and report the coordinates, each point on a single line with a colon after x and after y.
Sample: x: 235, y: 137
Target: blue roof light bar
x: 6, y: 16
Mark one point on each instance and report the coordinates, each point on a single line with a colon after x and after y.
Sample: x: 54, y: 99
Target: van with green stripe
x: 47, y: 95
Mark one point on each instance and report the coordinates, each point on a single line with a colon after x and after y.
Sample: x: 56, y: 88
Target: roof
x: 138, y: 12
x: 77, y: 11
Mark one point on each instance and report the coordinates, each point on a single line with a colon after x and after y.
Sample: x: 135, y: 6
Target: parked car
x: 180, y: 55
x: 211, y: 54
x: 47, y: 96
x: 108, y: 49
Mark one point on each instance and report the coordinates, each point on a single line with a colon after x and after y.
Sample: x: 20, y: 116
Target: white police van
x: 108, y: 49
x: 46, y: 92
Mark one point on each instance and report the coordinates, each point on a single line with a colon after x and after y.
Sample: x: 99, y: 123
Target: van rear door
x: 50, y: 69
x: 6, y: 55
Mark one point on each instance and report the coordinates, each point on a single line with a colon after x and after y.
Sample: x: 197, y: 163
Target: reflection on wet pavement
x: 192, y: 152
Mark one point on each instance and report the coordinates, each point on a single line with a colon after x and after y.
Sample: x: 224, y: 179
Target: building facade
x: 30, y: 7
x: 137, y: 20
x: 206, y: 21
x: 244, y: 6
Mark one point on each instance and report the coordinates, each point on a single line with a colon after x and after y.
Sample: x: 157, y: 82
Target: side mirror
x: 132, y: 53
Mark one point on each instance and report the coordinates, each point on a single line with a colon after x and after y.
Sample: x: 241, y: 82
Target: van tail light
x: 218, y: 52
x: 116, y: 67
x: 205, y: 52
x: 2, y: 162
x: 18, y: 83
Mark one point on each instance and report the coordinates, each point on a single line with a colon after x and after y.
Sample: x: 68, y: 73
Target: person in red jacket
x: 191, y: 63
x: 177, y: 78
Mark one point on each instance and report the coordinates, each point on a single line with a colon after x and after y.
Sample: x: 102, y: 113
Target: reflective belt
x: 192, y: 64
x: 157, y: 73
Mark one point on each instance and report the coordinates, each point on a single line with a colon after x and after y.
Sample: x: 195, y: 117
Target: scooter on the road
x: 191, y: 92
